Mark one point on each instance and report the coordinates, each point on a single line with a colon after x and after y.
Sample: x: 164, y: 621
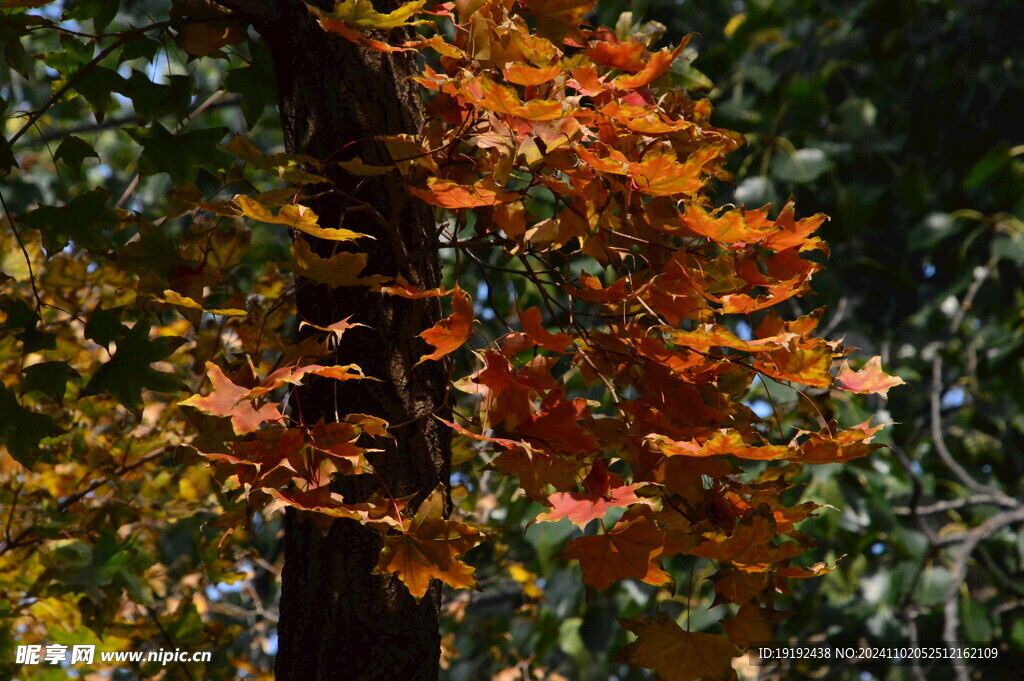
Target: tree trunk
x: 338, y: 621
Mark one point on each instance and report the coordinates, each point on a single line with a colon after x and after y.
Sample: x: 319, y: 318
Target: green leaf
x: 153, y: 253
x: 21, y: 317
x: 1009, y: 248
x: 96, y: 86
x: 181, y: 156
x: 128, y: 372
x: 858, y: 116
x: 7, y: 159
x: 102, y: 12
x: 84, y: 220
x: 151, y: 100
x: 140, y: 47
x: 256, y: 83
x: 803, y: 166
x: 21, y: 430
x: 49, y: 378
x: 990, y: 164
x: 104, y: 326
x: 74, y: 150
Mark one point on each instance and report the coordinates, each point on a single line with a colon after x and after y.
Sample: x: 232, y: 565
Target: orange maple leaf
x: 657, y: 66
x: 627, y: 55
x: 750, y: 545
x: 450, y: 333
x: 535, y: 331
x: 448, y: 194
x: 871, y: 379
x: 430, y: 548
x: 231, y: 400
x: 661, y: 174
x: 631, y: 549
x: 524, y: 74
x: 581, y: 508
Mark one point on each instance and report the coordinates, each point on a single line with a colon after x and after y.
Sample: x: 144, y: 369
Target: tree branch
x: 958, y: 575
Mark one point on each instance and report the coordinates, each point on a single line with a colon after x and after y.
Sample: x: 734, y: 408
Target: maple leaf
x: 722, y: 442
x: 129, y: 372
x: 536, y: 469
x: 175, y: 298
x: 749, y: 545
x: 295, y: 216
x: 21, y: 429
x: 448, y: 194
x: 871, y: 379
x: 337, y: 329
x: 557, y: 19
x: 739, y: 586
x: 401, y: 287
x: 362, y: 14
x: 807, y: 365
x: 293, y: 375
x: 661, y: 174
x: 556, y: 425
x: 230, y: 400
x: 505, y: 390
x: 657, y: 66
x: 627, y: 56
x: 205, y: 38
x: 450, y: 333
x: 753, y: 624
x: 524, y: 74
x: 320, y: 500
x: 739, y: 225
x: 341, y: 269
x: 829, y: 446
x: 535, y: 331
x: 631, y: 549
x: 430, y: 548
x: 503, y: 99
x: 592, y: 291
x: 793, y: 233
x: 678, y: 655
x: 581, y: 508
x: 338, y: 442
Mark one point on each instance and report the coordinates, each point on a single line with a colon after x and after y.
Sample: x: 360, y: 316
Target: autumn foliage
x: 622, y: 396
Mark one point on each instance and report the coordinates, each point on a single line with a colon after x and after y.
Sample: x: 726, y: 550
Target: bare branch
x: 955, y: 504
x: 958, y: 574
x: 939, y: 440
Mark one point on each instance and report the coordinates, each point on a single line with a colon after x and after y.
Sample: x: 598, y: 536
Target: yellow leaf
x: 362, y: 14
x: 175, y: 298
x: 296, y: 216
x: 734, y: 24
x: 341, y: 269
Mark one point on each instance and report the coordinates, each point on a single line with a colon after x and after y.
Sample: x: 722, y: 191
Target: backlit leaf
x: 430, y: 548
x: 295, y: 216
x: 450, y: 333
x: 870, y: 379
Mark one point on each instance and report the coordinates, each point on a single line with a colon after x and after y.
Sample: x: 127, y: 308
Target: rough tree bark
x: 338, y: 621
